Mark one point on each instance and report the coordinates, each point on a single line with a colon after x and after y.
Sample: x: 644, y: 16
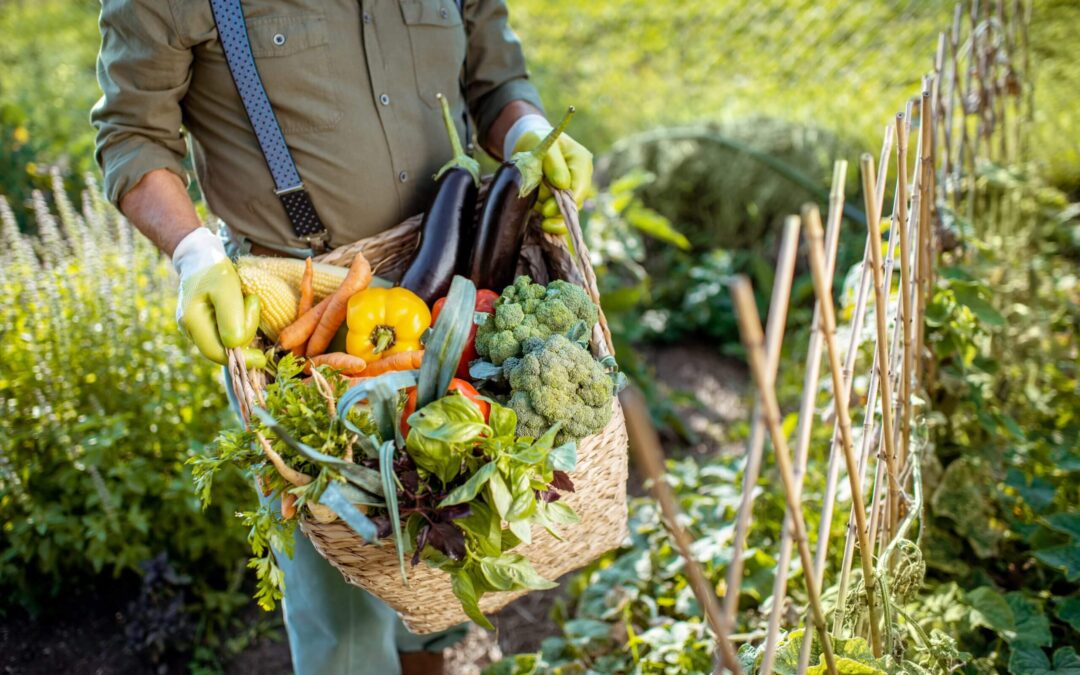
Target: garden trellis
x: 972, y: 111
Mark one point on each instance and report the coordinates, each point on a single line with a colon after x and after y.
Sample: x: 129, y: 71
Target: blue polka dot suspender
x: 232, y: 31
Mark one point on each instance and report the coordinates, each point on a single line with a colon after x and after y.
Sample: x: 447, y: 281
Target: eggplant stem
x: 531, y: 162
x: 461, y: 159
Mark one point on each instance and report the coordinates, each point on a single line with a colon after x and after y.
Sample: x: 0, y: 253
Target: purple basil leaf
x: 382, y: 525
x: 548, y: 496
x: 456, y: 511
x: 421, y: 542
x: 447, y: 539
x: 561, y: 481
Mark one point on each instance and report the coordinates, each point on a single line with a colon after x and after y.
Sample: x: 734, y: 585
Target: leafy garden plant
x: 103, y: 402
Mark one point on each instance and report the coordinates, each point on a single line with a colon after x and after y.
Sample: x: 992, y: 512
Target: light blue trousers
x: 337, y: 628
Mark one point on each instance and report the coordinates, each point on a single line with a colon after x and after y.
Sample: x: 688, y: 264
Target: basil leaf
x: 361, y: 476
x: 529, y: 455
x: 434, y: 455
x: 462, y: 585
x: 513, y: 571
x: 485, y: 528
x: 443, y: 433
x: 563, y: 458
x: 562, y: 513
x: 502, y: 420
x: 546, y: 441
x: 339, y: 504
x: 524, y: 501
x: 444, y: 348
x: 471, y: 487
x: 522, y: 530
x: 500, y: 494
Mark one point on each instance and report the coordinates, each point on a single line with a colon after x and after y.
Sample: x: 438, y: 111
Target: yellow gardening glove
x: 568, y: 165
x: 211, y: 309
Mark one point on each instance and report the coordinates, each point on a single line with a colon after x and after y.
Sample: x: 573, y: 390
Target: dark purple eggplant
x: 510, y: 199
x: 446, y: 232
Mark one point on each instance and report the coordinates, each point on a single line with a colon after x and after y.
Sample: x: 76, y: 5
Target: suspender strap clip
x: 232, y: 31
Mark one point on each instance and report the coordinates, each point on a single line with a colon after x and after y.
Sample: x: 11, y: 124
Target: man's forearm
x: 160, y: 208
x: 507, y: 116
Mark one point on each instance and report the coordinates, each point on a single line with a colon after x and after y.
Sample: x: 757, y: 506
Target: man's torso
x: 353, y: 85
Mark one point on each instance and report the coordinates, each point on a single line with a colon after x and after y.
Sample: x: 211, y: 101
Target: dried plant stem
x: 645, y: 443
x: 774, y: 338
x: 753, y: 340
x: 923, y: 247
x: 822, y: 290
x: 806, y: 415
x: 881, y: 311
x: 905, y: 284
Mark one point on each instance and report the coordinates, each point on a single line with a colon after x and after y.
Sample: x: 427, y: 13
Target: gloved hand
x: 568, y: 165
x: 211, y: 309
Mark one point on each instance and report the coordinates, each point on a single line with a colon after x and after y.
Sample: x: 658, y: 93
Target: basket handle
x: 568, y: 207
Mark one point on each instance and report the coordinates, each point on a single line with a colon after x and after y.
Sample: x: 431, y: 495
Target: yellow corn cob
x: 278, y: 301
x: 325, y: 279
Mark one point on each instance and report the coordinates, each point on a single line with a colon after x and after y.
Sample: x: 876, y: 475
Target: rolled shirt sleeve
x: 144, y: 72
x: 495, y: 72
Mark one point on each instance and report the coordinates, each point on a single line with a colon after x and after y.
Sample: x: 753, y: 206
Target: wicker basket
x: 427, y: 604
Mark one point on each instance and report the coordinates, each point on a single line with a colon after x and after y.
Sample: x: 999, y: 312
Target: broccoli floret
x: 527, y: 310
x: 557, y: 380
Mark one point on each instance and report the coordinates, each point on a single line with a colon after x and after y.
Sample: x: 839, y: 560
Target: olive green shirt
x: 353, y: 84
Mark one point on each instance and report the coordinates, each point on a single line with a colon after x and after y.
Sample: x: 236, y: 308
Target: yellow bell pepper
x: 385, y: 321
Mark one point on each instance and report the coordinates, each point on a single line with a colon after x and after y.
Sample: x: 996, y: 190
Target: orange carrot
x: 356, y: 280
x: 288, y: 505
x: 399, y: 361
x: 298, y: 332
x: 346, y: 364
x: 307, y: 292
x: 307, y: 299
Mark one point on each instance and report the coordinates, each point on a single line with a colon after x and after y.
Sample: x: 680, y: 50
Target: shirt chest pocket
x: 292, y: 54
x: 437, y: 39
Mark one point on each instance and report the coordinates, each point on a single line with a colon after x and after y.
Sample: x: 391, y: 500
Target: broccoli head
x: 527, y: 310
x: 556, y: 380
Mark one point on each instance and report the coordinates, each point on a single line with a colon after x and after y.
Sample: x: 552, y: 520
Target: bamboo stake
x: 650, y: 456
x: 867, y: 434
x: 806, y: 412
x: 923, y: 249
x: 881, y: 310
x: 828, y: 324
x: 905, y: 281
x: 774, y: 337
x: 753, y: 340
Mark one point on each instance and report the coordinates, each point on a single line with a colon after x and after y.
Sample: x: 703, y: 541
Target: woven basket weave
x: 427, y: 604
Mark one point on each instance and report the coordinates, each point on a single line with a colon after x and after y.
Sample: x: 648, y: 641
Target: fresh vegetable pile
x: 448, y: 424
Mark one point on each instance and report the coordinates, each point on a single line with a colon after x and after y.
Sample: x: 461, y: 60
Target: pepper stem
x: 531, y: 162
x: 461, y: 159
x: 383, y: 337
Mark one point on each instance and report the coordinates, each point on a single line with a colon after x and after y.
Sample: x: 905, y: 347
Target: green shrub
x: 101, y: 403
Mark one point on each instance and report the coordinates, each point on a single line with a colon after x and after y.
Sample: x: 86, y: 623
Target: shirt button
x: 443, y: 13
x: 279, y: 39
x: 367, y: 17
x: 403, y: 176
x: 384, y: 99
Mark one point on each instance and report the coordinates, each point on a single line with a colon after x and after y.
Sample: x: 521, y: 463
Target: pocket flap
x: 285, y: 35
x: 430, y: 13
